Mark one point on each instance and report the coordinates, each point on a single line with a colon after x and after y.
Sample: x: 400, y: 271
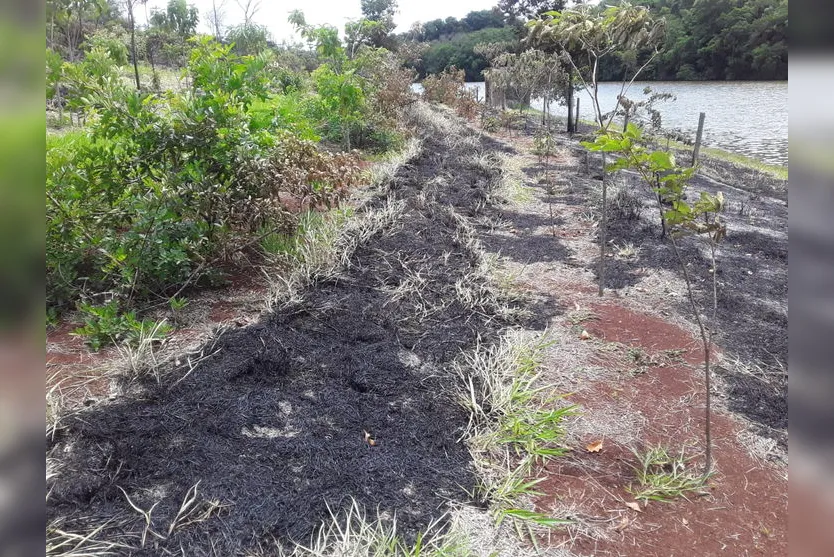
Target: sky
x: 273, y: 13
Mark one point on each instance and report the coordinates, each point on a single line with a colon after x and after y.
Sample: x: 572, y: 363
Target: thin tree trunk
x: 706, y: 339
x: 60, y: 100
x: 662, y: 217
x: 603, y: 228
x: 133, y: 42
x: 571, y: 123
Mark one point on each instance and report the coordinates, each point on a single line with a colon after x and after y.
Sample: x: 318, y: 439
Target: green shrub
x: 105, y: 324
x: 157, y: 188
x: 342, y: 101
x: 491, y: 124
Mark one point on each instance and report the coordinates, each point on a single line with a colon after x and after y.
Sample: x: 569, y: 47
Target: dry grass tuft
x: 355, y: 534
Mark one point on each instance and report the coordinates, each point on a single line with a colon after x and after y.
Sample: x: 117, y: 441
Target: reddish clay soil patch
x: 70, y: 364
x: 651, y: 333
x: 745, y: 510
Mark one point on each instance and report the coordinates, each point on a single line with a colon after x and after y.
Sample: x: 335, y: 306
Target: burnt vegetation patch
x: 752, y: 284
x: 343, y: 394
x: 752, y: 266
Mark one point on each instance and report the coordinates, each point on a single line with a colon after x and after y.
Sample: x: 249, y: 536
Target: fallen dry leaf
x: 623, y: 523
x: 585, y: 335
x: 594, y: 447
x: 634, y: 505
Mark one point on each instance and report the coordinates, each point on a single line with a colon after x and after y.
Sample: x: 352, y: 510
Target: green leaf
x: 660, y: 160
x: 539, y: 518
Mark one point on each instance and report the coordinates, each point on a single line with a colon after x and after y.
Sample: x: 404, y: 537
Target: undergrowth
x: 167, y: 188
x: 664, y: 476
x: 515, y: 425
x: 355, y: 534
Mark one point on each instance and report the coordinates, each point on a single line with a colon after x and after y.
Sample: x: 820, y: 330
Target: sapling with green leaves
x: 660, y: 174
x: 701, y: 219
x: 544, y: 145
x: 588, y: 36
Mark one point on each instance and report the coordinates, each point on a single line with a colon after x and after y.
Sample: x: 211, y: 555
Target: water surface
x: 746, y: 117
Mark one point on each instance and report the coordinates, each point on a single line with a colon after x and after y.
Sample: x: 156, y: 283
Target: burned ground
x: 752, y: 271
x: 272, y: 426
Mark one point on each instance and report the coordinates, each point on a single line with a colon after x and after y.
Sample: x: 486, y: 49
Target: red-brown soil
x: 745, y: 511
x: 651, y: 375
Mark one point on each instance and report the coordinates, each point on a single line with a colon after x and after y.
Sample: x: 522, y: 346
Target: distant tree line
x: 705, y: 39
x: 717, y: 40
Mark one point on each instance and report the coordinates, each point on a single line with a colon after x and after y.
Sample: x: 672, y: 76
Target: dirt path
x: 345, y: 391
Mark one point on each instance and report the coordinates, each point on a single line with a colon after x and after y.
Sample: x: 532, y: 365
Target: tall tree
x: 379, y: 10
x: 588, y: 35
x: 250, y: 8
x: 528, y: 9
x: 379, y: 15
x: 178, y: 17
x: 129, y: 5
x: 69, y: 21
x: 216, y: 17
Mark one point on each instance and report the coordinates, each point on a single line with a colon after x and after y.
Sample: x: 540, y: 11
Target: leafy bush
x: 105, y: 324
x: 341, y: 101
x: 491, y: 124
x: 161, y: 188
x: 450, y: 89
x: 114, y: 45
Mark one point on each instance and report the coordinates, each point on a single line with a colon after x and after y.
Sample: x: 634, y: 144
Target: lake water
x: 746, y: 117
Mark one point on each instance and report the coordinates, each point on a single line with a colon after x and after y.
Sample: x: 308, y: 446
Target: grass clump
x: 664, y: 476
x: 63, y: 543
x: 774, y: 170
x: 514, y: 424
x: 355, y: 534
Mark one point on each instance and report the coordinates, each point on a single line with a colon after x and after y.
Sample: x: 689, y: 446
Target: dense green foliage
x: 459, y: 52
x: 717, y: 40
x: 438, y: 29
x: 705, y: 39
x: 159, y: 189
x: 451, y: 42
x: 156, y: 185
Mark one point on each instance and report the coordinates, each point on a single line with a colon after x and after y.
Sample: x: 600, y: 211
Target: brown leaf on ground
x: 594, y: 447
x: 368, y: 439
x: 634, y: 505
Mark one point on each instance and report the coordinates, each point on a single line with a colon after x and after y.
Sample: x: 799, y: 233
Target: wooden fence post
x: 698, y: 138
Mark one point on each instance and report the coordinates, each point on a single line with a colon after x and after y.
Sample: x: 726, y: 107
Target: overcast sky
x: 273, y: 13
